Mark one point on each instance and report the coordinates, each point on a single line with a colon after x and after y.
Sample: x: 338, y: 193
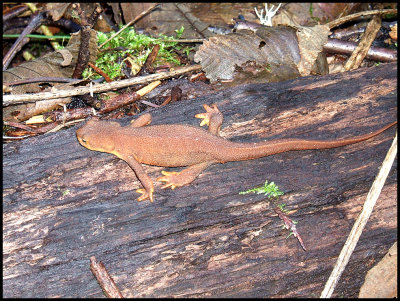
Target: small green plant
x: 64, y: 192
x: 179, y: 32
x: 137, y: 47
x: 282, y: 207
x: 271, y: 190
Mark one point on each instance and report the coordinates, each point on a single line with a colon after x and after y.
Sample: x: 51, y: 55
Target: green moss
x: 137, y: 47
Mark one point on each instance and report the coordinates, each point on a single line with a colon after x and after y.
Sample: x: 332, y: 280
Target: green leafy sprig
x: 270, y: 190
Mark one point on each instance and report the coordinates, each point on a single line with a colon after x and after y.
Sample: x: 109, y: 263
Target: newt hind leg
x: 184, y: 177
x: 213, y: 118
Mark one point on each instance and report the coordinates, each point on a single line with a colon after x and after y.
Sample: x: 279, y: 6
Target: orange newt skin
x: 174, y: 145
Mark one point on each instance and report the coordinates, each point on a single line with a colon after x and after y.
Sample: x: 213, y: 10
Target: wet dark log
x: 63, y: 203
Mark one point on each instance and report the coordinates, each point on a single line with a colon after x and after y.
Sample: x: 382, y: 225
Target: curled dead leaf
x: 67, y: 56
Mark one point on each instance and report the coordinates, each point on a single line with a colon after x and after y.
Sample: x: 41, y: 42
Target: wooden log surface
x: 63, y: 203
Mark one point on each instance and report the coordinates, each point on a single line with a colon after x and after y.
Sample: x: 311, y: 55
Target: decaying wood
x: 64, y: 203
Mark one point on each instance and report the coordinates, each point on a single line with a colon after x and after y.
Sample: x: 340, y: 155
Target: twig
x: 36, y: 36
x: 15, y: 11
x: 148, y: 64
x: 20, y: 126
x: 48, y: 128
x: 106, y: 282
x: 141, y: 15
x: 42, y: 80
x: 348, y: 18
x: 368, y: 37
x: 16, y: 138
x: 185, y: 40
x: 33, y: 24
x: 148, y: 103
x: 107, y: 106
x: 60, y: 126
x: 361, y: 221
x: 26, y: 98
x: 190, y: 21
x: 86, y: 27
x: 290, y: 225
x: 101, y: 72
x: 347, y: 47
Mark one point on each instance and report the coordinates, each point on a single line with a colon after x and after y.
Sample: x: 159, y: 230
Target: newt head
x: 98, y: 135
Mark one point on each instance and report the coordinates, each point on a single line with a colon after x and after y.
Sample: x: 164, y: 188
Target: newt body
x: 184, y: 145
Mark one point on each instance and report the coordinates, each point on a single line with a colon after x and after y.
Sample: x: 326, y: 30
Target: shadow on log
x: 63, y: 203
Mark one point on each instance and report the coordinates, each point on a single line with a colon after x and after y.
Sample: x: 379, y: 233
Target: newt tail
x: 246, y: 151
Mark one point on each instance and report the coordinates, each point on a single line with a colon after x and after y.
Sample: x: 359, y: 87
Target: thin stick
x: 348, y: 18
x: 14, y: 12
x: 16, y: 138
x: 183, y: 40
x: 60, y: 126
x: 101, y: 72
x: 42, y: 80
x: 361, y: 50
x: 26, y: 98
x: 347, y: 47
x: 104, y: 279
x: 33, y: 24
x: 142, y: 14
x: 189, y: 21
x: 361, y: 221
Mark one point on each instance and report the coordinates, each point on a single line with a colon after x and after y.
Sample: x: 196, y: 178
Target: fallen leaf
x: 55, y: 64
x: 296, y: 49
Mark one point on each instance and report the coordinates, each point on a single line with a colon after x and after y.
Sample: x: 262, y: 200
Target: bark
x: 63, y: 203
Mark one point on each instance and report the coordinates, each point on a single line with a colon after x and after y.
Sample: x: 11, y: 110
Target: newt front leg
x: 213, y: 118
x: 147, y: 192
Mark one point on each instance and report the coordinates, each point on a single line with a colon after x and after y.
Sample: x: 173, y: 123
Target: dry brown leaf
x: 381, y: 280
x: 56, y: 64
x: 311, y: 42
x: 332, y: 11
x: 166, y: 19
x: 57, y: 10
x: 294, y: 48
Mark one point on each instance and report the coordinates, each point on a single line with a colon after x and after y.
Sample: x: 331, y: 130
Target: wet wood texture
x: 63, y: 203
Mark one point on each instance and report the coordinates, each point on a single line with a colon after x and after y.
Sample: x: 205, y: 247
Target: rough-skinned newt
x: 173, y: 145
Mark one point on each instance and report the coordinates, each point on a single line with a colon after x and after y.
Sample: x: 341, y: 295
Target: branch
x: 26, y: 98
